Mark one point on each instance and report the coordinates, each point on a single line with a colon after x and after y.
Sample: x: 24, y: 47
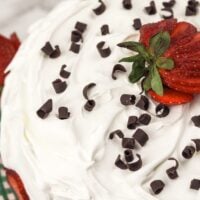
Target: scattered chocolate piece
x: 141, y: 137
x: 195, y: 184
x: 143, y: 103
x: 188, y: 152
x: 157, y: 186
x: 128, y: 155
x: 128, y: 143
x: 59, y: 86
x: 105, y: 29
x: 144, y: 119
x: 48, y: 49
x: 90, y: 104
x: 104, y: 52
x: 118, y: 132
x: 197, y: 143
x: 80, y: 26
x: 127, y: 99
x: 116, y: 68
x: 172, y: 172
x: 56, y: 53
x: 137, y: 23
x: 192, y: 8
x: 169, y: 4
x: 162, y: 110
x: 64, y: 73
x: 63, y: 113
x: 136, y: 165
x: 87, y: 88
x: 100, y: 9
x: 170, y: 11
x: 151, y: 10
x: 75, y: 47
x: 196, y: 120
x: 76, y: 36
x: 120, y: 163
x: 45, y: 109
x: 132, y: 122
x: 127, y: 4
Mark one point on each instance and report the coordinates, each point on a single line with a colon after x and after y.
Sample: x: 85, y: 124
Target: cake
x: 74, y: 126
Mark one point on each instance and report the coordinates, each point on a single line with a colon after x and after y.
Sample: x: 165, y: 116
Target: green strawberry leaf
x: 165, y: 63
x: 147, y: 83
x: 129, y: 59
x: 159, y: 43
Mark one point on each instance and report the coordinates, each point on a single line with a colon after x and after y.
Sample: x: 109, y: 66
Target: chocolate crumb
x: 120, y: 163
x: 157, y: 186
x: 45, y: 109
x: 136, y: 165
x: 127, y: 99
x: 100, y: 9
x: 141, y: 137
x: 188, y: 152
x: 116, y: 68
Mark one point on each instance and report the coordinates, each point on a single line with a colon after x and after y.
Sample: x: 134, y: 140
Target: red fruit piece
x: 171, y: 97
x: 15, y: 41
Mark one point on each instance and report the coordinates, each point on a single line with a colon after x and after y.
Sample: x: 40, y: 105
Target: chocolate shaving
x: 132, y: 122
x: 157, y: 186
x: 141, y: 137
x: 127, y: 4
x: 76, y: 36
x: 105, y: 29
x: 195, y: 184
x: 127, y: 99
x: 100, y: 9
x: 48, y: 49
x: 120, y: 163
x: 197, y: 143
x: 89, y: 106
x: 144, y: 119
x: 63, y: 113
x: 56, y: 53
x: 64, y: 73
x: 87, y: 88
x: 80, y: 26
x: 75, y: 47
x: 196, y: 120
x: 170, y: 11
x: 136, y: 165
x: 137, y: 23
x: 143, y: 103
x: 162, y: 110
x: 192, y: 8
x: 118, y: 132
x: 128, y: 143
x: 188, y: 152
x: 104, y: 52
x: 169, y: 4
x: 172, y: 172
x: 151, y: 10
x: 59, y: 86
x: 128, y: 154
x: 116, y: 68
x: 45, y: 109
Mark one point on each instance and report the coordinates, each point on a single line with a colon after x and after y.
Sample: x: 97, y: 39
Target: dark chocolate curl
x: 76, y: 36
x: 120, y: 163
x: 87, y: 88
x: 132, y: 122
x: 143, y: 103
x: 144, y: 119
x: 56, y: 53
x: 47, y: 49
x: 116, y: 68
x: 172, y: 172
x: 100, y: 9
x: 137, y: 23
x: 196, y: 120
x: 169, y: 4
x: 127, y: 99
x: 128, y: 155
x: 162, y: 110
x: 64, y: 73
x: 89, y: 106
x: 118, y: 132
x: 151, y: 10
x: 75, y: 47
x: 157, y: 186
x: 170, y: 11
x: 128, y: 143
x: 45, y: 109
x: 105, y: 29
x: 141, y: 137
x: 197, y: 143
x: 188, y: 152
x: 195, y: 184
x: 127, y: 4
x: 104, y: 52
x: 59, y: 86
x: 136, y: 165
x: 81, y: 27
x: 63, y: 113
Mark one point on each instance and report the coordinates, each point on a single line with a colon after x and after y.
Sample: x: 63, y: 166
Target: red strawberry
x: 171, y: 97
x: 15, y: 41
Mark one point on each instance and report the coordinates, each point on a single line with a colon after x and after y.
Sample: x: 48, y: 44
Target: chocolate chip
x: 75, y: 47
x: 195, y: 184
x: 45, y: 109
x: 118, y: 132
x: 100, y: 9
x: 120, y: 163
x: 196, y: 120
x: 128, y: 154
x: 80, y: 26
x: 144, y: 119
x: 127, y: 4
x: 63, y: 113
x: 169, y: 4
x: 151, y: 10
x: 136, y: 165
x: 89, y: 106
x: 104, y: 52
x: 47, y: 49
x: 59, y: 86
x: 162, y: 110
x: 87, y: 88
x: 141, y: 137
x: 197, y: 143
x: 137, y: 23
x: 143, y: 103
x: 192, y: 8
x: 56, y: 53
x: 157, y: 186
x: 127, y: 99
x: 170, y: 11
x: 188, y: 152
x: 128, y: 143
x: 132, y: 122
x: 116, y: 68
x: 172, y: 172
x: 76, y: 36
x: 64, y: 73
x: 105, y: 29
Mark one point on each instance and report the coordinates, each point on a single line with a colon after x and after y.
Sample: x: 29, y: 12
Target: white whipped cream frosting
x: 74, y: 159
